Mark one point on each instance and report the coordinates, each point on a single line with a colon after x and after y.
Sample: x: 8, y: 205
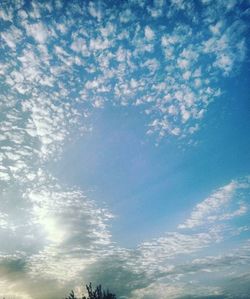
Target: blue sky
x: 125, y: 148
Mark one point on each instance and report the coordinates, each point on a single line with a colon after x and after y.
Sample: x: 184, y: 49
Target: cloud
x: 94, y: 10
x: 67, y: 238
x: 12, y: 37
x: 121, y: 50
x: 207, y: 277
x: 169, y: 265
x: 227, y: 50
x: 58, y: 235
x: 149, y: 33
x: 79, y: 45
x: 6, y: 13
x: 38, y: 31
x: 56, y: 73
x: 214, y: 207
x: 178, y: 290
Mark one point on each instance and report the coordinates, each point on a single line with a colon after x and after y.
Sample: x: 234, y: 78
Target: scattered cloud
x: 38, y: 31
x: 53, y: 74
x: 219, y: 206
x: 218, y: 48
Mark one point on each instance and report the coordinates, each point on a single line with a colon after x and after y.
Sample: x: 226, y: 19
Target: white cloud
x: 12, y: 37
x: 216, y: 28
x: 108, y: 30
x: 96, y: 49
x: 99, y: 44
x: 173, y: 244
x: 79, y: 45
x: 3, y: 219
x: 64, y: 231
x: 183, y: 63
x: 186, y: 75
x: 4, y: 176
x: 38, y: 31
x: 94, y: 10
x: 174, y: 290
x: 213, y: 208
x: 225, y: 63
x: 126, y: 16
x: 6, y: 14
x: 149, y: 33
x: 65, y: 257
x: 152, y: 65
x: 51, y: 92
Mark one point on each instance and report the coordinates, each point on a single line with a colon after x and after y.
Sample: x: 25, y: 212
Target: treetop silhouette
x: 96, y: 293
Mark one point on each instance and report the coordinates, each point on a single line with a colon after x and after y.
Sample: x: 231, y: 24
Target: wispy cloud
x: 217, y: 206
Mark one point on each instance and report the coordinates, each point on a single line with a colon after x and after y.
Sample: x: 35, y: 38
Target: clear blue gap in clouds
x: 150, y: 187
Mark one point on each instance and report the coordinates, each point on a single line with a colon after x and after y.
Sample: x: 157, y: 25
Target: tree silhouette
x: 96, y: 293
x: 71, y: 295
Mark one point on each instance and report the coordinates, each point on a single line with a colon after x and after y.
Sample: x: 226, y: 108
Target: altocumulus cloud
x: 59, y: 62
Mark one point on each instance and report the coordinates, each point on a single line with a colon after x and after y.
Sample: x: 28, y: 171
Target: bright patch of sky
x: 124, y: 155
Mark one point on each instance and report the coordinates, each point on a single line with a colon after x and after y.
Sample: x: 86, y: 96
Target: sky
x: 124, y: 148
